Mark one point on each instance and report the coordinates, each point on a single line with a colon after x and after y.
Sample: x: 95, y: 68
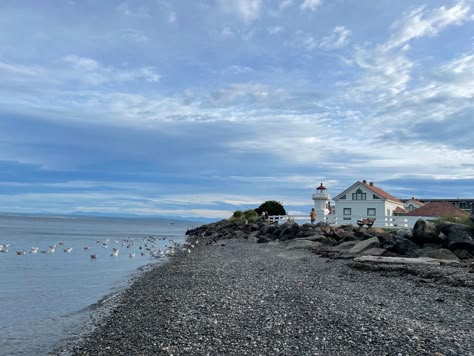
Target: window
x: 464, y: 205
x: 376, y: 197
x: 370, y: 211
x: 411, y: 207
x: 359, y: 195
x: 347, y: 211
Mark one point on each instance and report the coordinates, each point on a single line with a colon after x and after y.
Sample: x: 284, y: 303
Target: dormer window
x: 359, y: 195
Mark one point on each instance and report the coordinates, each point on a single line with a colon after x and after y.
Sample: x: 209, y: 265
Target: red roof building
x: 438, y: 209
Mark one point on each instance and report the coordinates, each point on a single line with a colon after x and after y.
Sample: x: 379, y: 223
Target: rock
x: 344, y: 246
x: 463, y: 254
x: 321, y: 238
x: 405, y: 233
x: 303, y: 244
x: 365, y: 245
x: 376, y: 251
x: 456, y: 232
x: 288, y: 231
x: 442, y: 254
x: 462, y: 245
x: 425, y: 232
x: 399, y: 245
x: 406, y: 260
x: 323, y: 227
x: 253, y: 237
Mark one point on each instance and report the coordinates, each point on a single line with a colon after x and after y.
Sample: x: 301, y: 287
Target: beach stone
x: 365, y: 245
x: 462, y: 245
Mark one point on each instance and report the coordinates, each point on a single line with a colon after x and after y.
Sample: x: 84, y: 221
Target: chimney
x: 364, y: 181
x: 371, y: 184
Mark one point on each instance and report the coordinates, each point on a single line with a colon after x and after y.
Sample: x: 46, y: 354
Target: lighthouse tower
x: 321, y: 201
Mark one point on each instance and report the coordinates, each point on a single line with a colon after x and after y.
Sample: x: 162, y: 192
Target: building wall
x: 360, y: 208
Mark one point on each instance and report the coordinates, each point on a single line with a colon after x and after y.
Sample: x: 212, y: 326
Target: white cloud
x: 90, y: 71
x: 247, y: 10
x: 17, y: 69
x: 285, y: 3
x: 420, y: 22
x: 338, y: 38
x: 311, y: 5
x: 275, y: 30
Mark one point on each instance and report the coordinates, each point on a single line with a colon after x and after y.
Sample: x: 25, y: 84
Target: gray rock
x: 302, y: 244
x: 376, y: 251
x: 425, y: 232
x: 365, y: 245
x: 344, y: 246
x: 442, y: 254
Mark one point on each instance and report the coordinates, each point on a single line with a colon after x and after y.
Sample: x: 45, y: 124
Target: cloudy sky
x: 199, y: 108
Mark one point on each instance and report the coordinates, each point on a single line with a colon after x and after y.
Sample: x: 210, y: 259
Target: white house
x: 365, y: 200
x: 413, y: 204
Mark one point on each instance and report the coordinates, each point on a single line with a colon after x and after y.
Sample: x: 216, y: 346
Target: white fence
x: 395, y: 222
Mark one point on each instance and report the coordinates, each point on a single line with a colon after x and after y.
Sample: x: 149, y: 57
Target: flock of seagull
x: 149, y: 247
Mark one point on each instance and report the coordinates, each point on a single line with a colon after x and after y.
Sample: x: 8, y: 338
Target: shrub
x: 272, y: 207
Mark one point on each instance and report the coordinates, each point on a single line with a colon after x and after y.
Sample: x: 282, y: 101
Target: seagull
x: 115, y: 252
x: 94, y: 256
x: 68, y: 250
x: 34, y: 249
x: 20, y: 253
x: 87, y: 247
x: 132, y: 255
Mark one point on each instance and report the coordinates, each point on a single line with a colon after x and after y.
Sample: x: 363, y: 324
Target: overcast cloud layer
x: 200, y: 108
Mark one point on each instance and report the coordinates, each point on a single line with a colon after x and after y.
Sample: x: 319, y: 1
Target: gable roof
x: 438, y: 209
x: 415, y: 201
x: 382, y: 193
x: 399, y: 210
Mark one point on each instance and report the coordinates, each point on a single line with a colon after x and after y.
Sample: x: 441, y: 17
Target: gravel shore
x: 238, y: 298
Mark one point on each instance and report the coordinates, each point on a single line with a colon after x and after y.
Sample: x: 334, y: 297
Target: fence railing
x: 395, y: 222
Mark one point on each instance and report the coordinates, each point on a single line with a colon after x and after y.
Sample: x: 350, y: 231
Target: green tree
x: 272, y: 207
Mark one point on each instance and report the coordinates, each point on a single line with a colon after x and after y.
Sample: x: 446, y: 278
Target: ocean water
x: 44, y: 297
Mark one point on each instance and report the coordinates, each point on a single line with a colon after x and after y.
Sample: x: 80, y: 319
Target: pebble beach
x: 234, y: 297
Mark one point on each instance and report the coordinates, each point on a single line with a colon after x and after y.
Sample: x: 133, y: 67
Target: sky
x: 200, y: 108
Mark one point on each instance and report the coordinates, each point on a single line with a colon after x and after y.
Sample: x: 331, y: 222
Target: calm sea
x: 44, y: 297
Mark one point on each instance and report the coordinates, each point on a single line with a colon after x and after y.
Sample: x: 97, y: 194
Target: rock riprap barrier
x: 449, y: 242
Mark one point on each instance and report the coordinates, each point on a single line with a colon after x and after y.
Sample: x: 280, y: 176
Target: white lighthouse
x: 322, y: 201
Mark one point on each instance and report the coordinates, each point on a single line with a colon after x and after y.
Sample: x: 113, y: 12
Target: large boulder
x: 425, y: 232
x: 399, y: 246
x: 365, y: 245
x: 288, y: 231
x: 456, y: 232
x: 441, y: 253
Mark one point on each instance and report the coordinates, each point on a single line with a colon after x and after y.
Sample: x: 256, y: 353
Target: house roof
x: 416, y: 201
x: 438, y: 209
x: 399, y: 210
x: 382, y: 193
